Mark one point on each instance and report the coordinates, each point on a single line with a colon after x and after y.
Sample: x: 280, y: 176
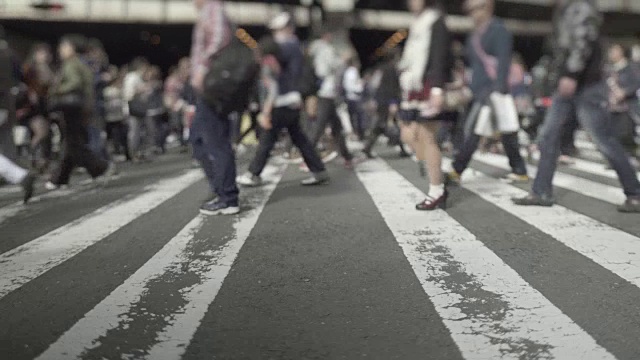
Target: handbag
x: 138, y: 107
x: 456, y: 99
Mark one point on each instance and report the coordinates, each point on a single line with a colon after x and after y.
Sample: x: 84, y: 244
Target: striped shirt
x: 211, y: 33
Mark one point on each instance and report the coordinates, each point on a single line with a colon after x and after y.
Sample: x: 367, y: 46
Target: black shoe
x: 219, y: 208
x: 27, y: 187
x: 533, y: 200
x: 316, y: 179
x: 631, y: 206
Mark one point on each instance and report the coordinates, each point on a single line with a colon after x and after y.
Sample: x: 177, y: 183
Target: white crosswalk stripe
x: 489, y: 309
x: 25, y: 263
x: 613, y: 249
x: 606, y: 193
x: 116, y: 310
x: 520, y: 316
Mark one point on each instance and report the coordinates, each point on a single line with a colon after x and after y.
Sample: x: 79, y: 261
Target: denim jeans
x: 211, y: 140
x: 590, y: 103
x: 96, y: 144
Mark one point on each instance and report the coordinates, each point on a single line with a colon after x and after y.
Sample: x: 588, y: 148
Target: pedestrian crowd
x: 312, y: 103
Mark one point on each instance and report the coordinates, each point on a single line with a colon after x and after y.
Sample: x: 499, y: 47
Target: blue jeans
x: 211, y: 140
x: 590, y: 103
x: 96, y: 144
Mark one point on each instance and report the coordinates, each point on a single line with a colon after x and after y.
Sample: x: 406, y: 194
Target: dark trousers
x: 75, y: 150
x: 380, y: 127
x: 357, y: 118
x: 568, y: 141
x: 285, y: 118
x: 626, y: 131
x: 471, y: 142
x: 161, y: 132
x: 211, y: 140
x: 328, y: 115
x: 117, y: 133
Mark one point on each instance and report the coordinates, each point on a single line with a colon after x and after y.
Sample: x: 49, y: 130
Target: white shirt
x: 352, y: 83
x: 326, y: 63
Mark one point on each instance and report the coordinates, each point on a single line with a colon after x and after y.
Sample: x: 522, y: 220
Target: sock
x: 436, y: 191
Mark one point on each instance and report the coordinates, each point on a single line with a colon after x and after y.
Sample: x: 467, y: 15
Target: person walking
x: 581, y: 89
x: 282, y: 60
x: 210, y: 131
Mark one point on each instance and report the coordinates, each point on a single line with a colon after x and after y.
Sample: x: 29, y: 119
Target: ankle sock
x: 436, y: 191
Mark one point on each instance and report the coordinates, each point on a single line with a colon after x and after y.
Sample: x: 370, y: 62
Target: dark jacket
x: 497, y: 42
x: 291, y: 58
x: 628, y: 79
x: 6, y: 75
x: 389, y: 89
x: 440, y: 63
x: 576, y: 49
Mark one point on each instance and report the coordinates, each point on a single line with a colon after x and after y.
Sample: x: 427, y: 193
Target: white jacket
x: 326, y: 63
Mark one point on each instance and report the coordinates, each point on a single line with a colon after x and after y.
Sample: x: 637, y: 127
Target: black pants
x: 381, y: 127
x: 357, y: 118
x: 328, y: 115
x: 568, y: 146
x: 117, y: 133
x: 161, y: 132
x: 75, y: 150
x: 285, y: 118
x: 626, y: 131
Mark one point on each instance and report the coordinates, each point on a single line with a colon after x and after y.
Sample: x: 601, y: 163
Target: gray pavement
x: 349, y: 270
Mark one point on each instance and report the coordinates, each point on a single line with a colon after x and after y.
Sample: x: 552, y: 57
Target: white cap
x: 281, y: 21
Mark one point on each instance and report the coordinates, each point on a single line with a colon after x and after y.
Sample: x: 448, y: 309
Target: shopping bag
x: 484, y: 125
x: 505, y: 112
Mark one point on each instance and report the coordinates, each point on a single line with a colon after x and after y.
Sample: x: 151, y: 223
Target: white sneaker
x: 51, y: 186
x: 330, y: 157
x: 249, y: 180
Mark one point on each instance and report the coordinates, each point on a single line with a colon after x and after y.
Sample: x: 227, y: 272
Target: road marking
x: 26, y: 262
x: 603, y: 192
x: 613, y: 249
x: 588, y: 167
x: 490, y: 311
x: 176, y: 261
x: 16, y: 208
x: 12, y: 189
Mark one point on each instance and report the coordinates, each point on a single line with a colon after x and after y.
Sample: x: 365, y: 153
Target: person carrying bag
x: 489, y: 52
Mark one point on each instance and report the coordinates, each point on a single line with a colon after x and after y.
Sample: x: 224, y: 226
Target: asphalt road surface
x: 130, y: 270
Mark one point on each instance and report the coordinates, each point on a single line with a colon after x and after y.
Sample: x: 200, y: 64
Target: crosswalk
x: 347, y: 270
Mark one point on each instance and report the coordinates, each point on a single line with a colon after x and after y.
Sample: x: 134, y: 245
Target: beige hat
x: 281, y: 21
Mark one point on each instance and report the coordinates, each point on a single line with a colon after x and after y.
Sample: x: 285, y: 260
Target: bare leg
x: 427, y: 134
x: 409, y: 136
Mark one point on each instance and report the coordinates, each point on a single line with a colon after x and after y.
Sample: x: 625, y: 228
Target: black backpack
x: 232, y: 74
x: 309, y: 83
